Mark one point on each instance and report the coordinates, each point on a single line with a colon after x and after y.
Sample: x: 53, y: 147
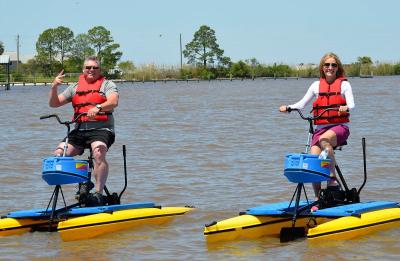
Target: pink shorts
x: 342, y: 133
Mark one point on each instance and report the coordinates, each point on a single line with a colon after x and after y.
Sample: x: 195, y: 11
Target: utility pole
x: 17, y: 53
x: 180, y: 44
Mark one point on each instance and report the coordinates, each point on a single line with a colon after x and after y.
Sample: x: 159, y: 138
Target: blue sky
x: 279, y: 31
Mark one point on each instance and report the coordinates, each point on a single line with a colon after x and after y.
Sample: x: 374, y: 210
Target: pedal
x: 113, y: 199
x: 83, y: 191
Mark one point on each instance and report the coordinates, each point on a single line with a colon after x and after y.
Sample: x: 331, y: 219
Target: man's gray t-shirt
x: 107, y: 87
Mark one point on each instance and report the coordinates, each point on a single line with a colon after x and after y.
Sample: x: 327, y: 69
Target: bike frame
x: 113, y: 198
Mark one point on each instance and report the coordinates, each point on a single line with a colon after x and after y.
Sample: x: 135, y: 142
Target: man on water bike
x: 97, y: 97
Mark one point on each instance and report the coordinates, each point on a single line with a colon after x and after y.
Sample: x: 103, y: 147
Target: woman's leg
x: 316, y: 150
x: 328, y: 140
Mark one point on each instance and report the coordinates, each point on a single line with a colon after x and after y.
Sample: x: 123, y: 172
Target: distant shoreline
x: 160, y: 80
x: 3, y: 84
x: 164, y: 80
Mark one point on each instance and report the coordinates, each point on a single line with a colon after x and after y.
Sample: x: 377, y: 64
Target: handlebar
x: 67, y: 124
x: 63, y: 122
x: 310, y: 118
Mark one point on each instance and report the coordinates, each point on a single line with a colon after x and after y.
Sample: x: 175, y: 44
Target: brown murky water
x: 216, y: 145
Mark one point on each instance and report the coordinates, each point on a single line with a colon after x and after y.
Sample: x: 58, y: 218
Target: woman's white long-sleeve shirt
x: 313, y: 91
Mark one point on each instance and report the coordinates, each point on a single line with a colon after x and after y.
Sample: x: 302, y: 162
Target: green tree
x: 364, y: 65
x: 46, y: 52
x: 46, y: 46
x: 203, y: 48
x: 30, y: 67
x: 127, y: 67
x: 364, y: 60
x: 281, y: 70
x: 397, y: 69
x: 63, y: 41
x: 81, y: 48
x: 224, y: 66
x: 1, y: 48
x: 100, y: 38
x: 240, y: 69
x: 225, y: 62
x: 110, y: 57
x: 253, y: 66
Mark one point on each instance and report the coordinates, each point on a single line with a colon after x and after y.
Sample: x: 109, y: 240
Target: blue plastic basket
x: 306, y: 168
x: 64, y: 170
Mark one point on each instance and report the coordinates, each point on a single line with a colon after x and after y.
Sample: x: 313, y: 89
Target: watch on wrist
x: 98, y: 106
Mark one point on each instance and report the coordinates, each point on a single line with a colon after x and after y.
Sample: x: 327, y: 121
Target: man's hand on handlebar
x: 59, y: 120
x: 92, y: 113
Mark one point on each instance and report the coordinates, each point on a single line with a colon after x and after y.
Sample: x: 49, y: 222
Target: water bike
x: 340, y: 213
x: 82, y: 220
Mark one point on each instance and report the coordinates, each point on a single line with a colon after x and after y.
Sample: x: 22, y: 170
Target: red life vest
x: 329, y: 96
x: 87, y: 95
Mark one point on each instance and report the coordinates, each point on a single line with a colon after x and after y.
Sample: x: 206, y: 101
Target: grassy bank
x: 242, y: 70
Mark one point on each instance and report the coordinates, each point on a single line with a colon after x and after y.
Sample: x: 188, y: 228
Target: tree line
x: 58, y: 48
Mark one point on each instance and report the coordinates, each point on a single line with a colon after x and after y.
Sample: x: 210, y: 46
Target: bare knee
x: 328, y: 140
x: 59, y: 151
x: 71, y: 150
x: 316, y: 150
x: 325, y: 143
x: 99, y: 153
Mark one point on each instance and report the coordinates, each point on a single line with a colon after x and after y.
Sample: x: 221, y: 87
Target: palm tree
x: 365, y: 62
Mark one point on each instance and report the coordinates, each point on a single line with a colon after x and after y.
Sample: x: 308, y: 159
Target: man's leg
x: 100, y: 170
x: 71, y: 150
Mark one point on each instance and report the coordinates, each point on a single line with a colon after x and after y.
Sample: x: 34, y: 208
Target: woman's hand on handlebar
x: 343, y: 109
x: 284, y: 108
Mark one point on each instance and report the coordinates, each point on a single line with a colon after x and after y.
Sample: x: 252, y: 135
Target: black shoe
x: 95, y: 199
x: 334, y: 188
x: 83, y: 190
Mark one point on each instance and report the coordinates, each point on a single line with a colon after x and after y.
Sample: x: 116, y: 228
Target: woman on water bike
x: 332, y: 90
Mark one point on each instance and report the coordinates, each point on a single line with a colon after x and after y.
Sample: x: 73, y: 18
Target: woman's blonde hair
x: 340, y: 70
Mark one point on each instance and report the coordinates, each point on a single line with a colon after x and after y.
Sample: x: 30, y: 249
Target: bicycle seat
x: 340, y: 147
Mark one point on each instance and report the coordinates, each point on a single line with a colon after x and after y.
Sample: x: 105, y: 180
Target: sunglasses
x: 91, y: 67
x: 334, y: 65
